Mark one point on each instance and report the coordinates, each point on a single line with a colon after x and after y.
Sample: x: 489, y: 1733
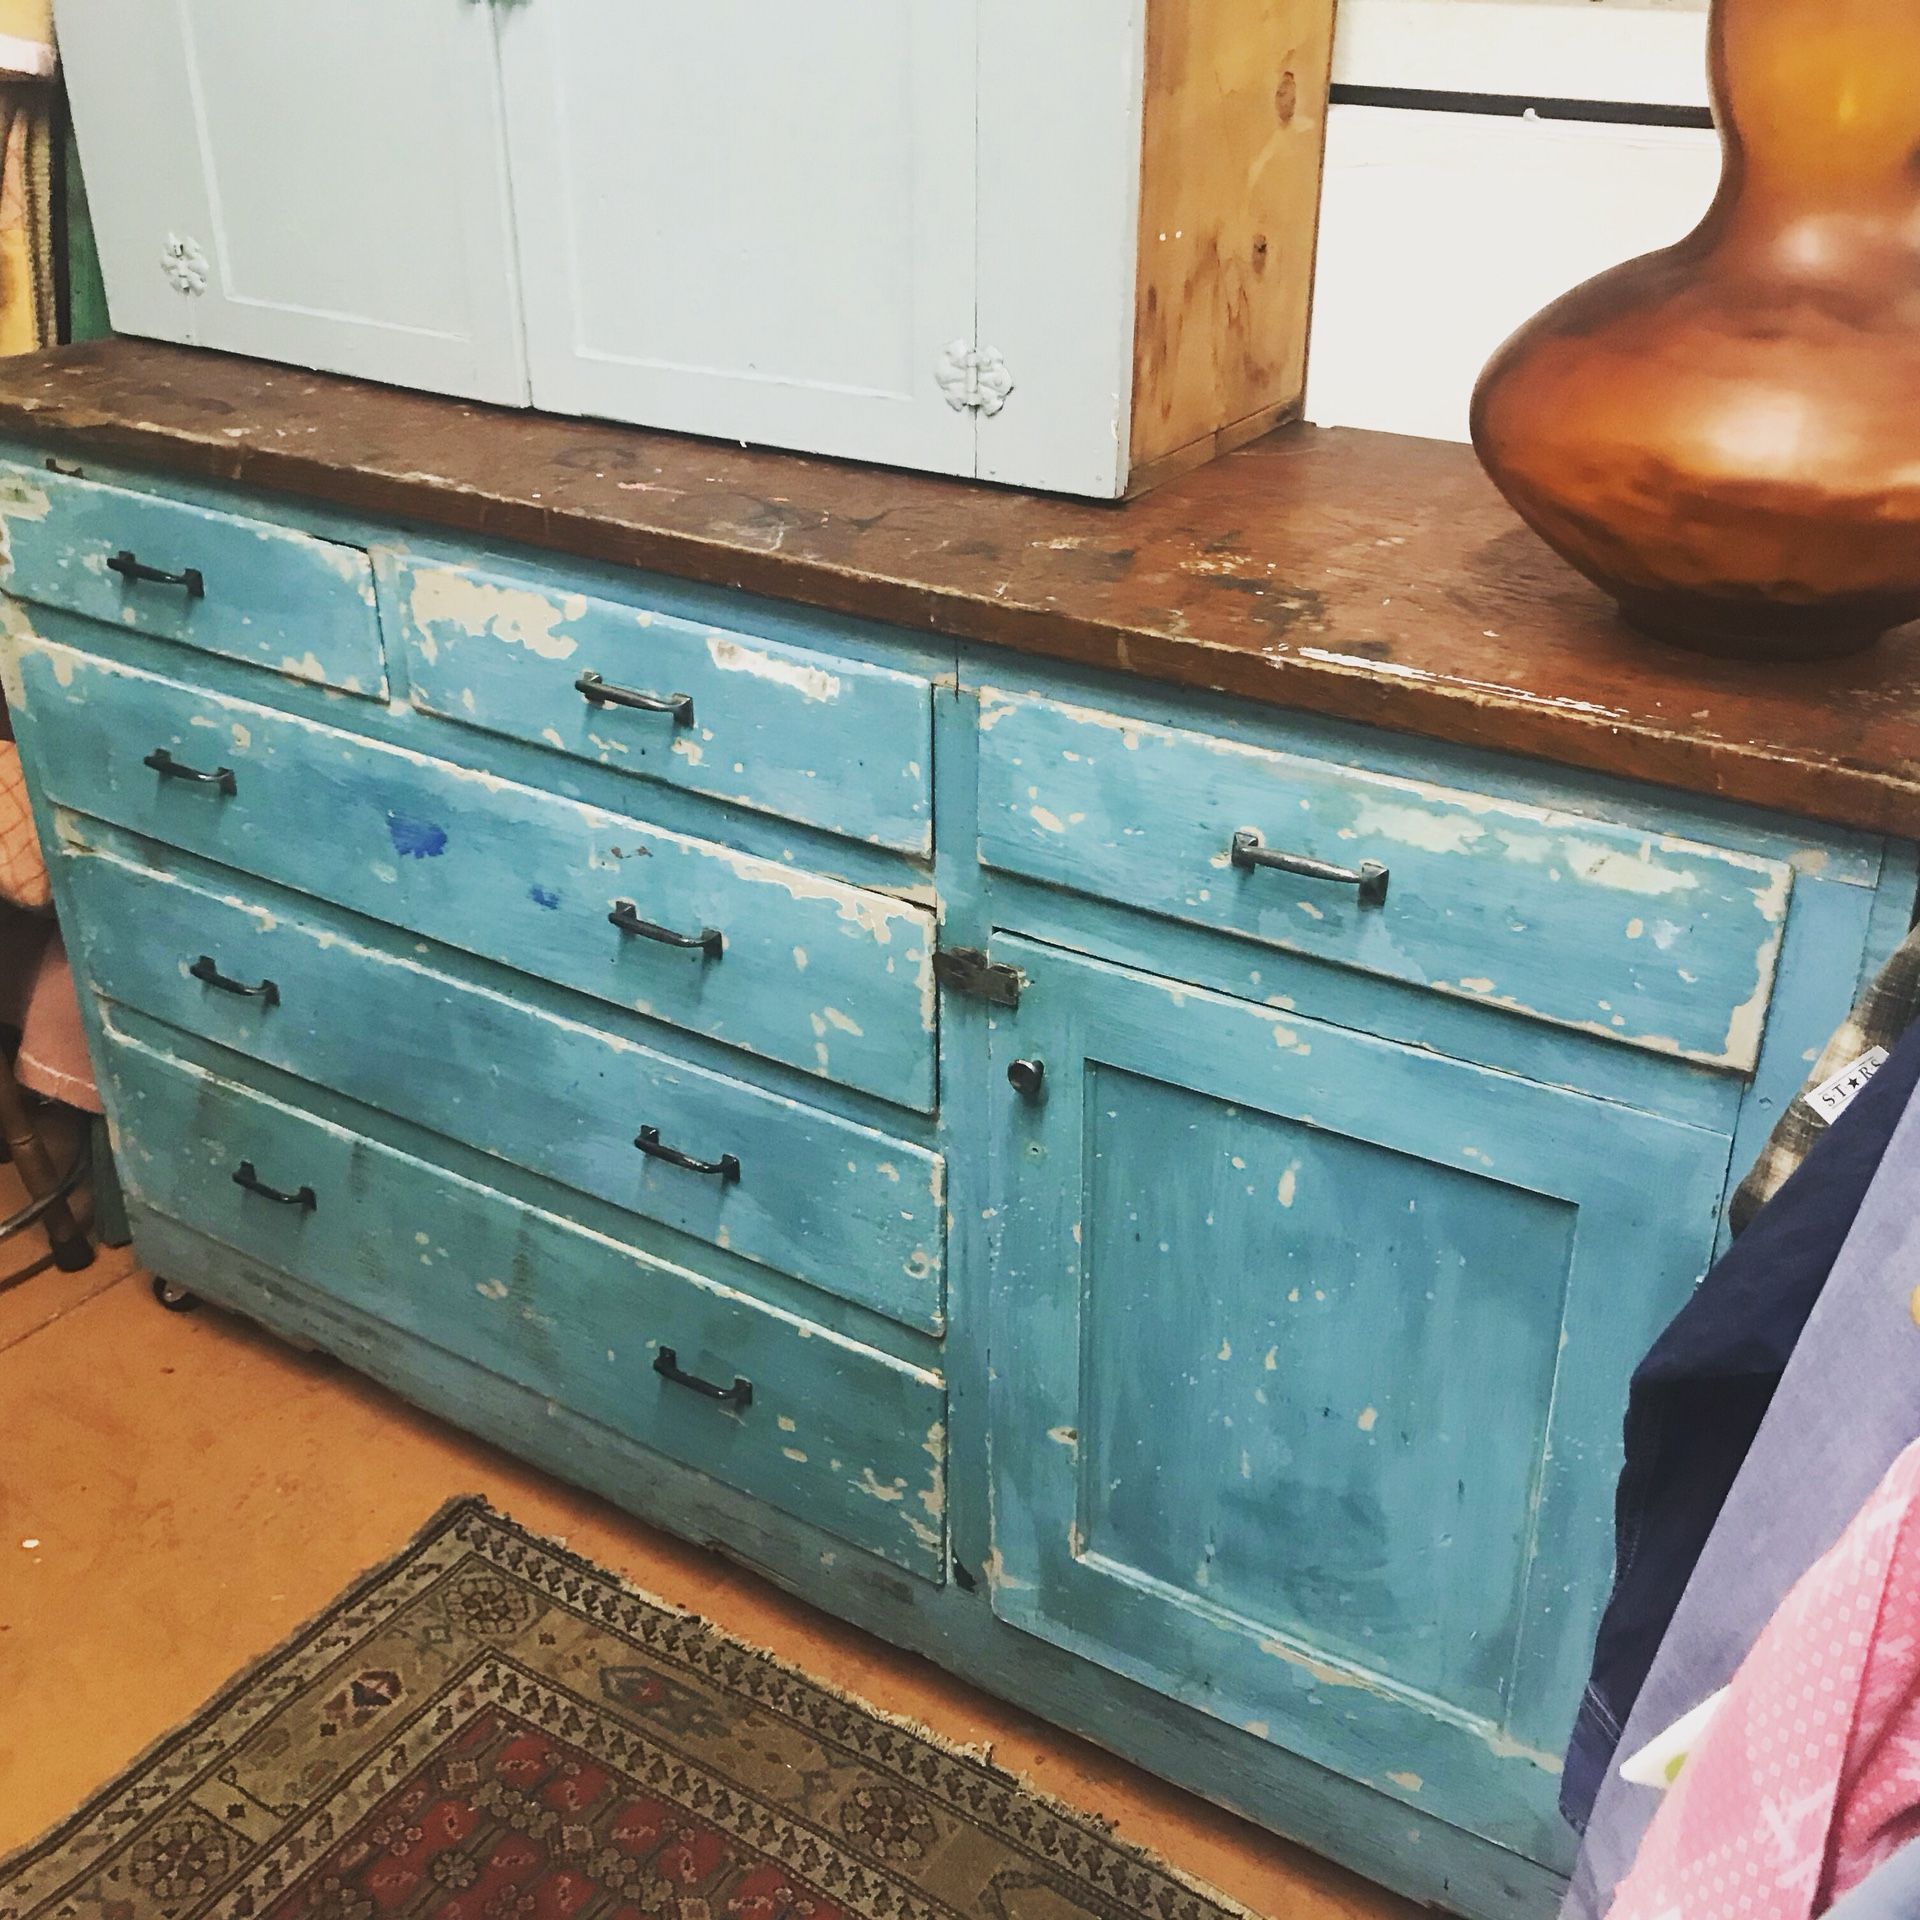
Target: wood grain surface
x: 1364, y: 576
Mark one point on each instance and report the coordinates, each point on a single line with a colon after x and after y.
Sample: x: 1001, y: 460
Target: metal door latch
x: 967, y: 970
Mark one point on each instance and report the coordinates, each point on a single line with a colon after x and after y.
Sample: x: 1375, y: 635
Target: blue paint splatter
x: 416, y: 839
x: 543, y: 896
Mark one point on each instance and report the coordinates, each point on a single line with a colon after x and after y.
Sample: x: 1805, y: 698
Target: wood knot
x: 1286, y: 97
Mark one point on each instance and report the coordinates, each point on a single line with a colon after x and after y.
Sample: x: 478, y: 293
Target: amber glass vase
x: 1726, y: 435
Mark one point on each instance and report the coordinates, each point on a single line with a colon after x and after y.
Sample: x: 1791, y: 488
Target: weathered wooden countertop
x: 1359, y: 575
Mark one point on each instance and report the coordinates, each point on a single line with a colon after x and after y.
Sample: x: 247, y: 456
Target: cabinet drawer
x: 830, y: 978
x: 1653, y: 941
x: 835, y: 1433
x: 842, y: 1207
x: 828, y: 742
x: 264, y: 594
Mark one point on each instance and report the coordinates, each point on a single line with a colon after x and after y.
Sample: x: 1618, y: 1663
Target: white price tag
x: 1834, y: 1095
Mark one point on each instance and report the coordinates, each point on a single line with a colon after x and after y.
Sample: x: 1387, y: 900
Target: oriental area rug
x: 490, y: 1728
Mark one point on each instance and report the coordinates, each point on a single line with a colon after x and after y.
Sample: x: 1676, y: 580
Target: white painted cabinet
x: 1061, y: 243
x: 325, y: 184
x: 749, y: 220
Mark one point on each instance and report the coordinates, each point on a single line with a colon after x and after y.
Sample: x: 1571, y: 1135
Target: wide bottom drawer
x: 834, y: 1433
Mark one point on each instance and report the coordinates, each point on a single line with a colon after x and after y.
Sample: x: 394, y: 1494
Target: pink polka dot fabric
x: 1808, y: 1777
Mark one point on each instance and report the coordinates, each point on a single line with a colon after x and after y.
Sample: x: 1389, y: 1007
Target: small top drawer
x: 1657, y: 942
x: 811, y: 737
x: 242, y: 588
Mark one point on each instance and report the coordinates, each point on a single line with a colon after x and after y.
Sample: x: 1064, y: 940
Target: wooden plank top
x: 1359, y: 575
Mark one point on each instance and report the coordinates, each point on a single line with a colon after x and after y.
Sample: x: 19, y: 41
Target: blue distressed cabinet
x: 1148, y: 1200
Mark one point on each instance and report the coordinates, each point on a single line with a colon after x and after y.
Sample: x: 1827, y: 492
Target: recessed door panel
x: 749, y: 220
x: 1308, y: 1356
x: 1246, y: 1445
x: 320, y: 184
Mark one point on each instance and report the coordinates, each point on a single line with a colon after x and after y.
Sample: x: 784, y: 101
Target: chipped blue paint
x: 842, y: 1207
x: 505, y: 653
x: 856, y: 1006
x: 1290, y: 1557
x: 1650, y: 940
x: 418, y: 839
x: 1277, y: 1495
x: 525, y: 1293
x: 269, y: 596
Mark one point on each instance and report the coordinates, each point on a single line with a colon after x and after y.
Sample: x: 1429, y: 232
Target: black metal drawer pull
x: 649, y: 1143
x: 1369, y: 876
x: 244, y: 1176
x: 598, y: 693
x: 130, y: 569
x: 626, y: 916
x: 168, y: 768
x: 205, y: 971
x: 666, y: 1363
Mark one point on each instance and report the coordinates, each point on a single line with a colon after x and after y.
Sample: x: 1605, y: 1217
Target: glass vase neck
x: 1819, y: 100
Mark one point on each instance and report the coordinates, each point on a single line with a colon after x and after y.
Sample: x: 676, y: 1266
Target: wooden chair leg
x: 71, y: 1248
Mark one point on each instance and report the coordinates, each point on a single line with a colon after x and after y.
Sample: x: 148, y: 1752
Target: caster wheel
x: 174, y: 1299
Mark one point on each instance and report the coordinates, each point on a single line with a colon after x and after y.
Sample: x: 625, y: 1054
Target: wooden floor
x: 178, y: 1492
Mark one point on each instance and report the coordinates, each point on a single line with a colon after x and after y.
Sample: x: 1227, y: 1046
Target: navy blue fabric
x: 1699, y: 1396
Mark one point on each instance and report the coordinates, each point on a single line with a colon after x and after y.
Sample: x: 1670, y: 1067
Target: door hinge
x: 973, y: 378
x: 967, y: 970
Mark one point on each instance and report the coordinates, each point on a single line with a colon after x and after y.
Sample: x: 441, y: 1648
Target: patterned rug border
x: 462, y: 1507
x: 231, y: 1691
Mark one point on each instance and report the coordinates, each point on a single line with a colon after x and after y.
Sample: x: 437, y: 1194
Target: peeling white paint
x: 518, y: 615
x: 999, y: 1578
x: 1411, y: 826
x: 1325, y: 1672
x: 811, y: 683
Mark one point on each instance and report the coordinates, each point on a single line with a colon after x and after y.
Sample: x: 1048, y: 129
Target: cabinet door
x: 749, y: 219
x: 324, y: 184
x: 1309, y: 1354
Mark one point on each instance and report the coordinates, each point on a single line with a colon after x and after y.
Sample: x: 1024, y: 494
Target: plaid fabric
x: 1880, y: 1016
x: 23, y: 873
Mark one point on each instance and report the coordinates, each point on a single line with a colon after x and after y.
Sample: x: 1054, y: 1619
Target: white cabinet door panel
x: 1060, y: 131
x: 390, y: 256
x: 747, y: 218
